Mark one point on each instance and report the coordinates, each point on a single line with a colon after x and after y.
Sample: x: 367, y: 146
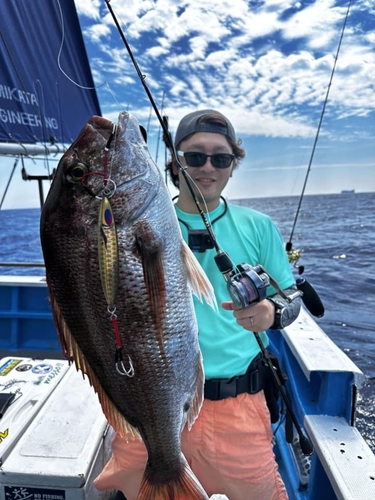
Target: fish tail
x: 182, y: 485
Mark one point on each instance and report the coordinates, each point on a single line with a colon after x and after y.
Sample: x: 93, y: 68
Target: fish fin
x: 181, y: 484
x: 198, y: 280
x: 113, y: 415
x: 59, y: 322
x: 198, y: 396
x: 71, y: 351
x: 150, y: 251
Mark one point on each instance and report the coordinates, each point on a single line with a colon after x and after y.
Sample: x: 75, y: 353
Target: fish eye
x: 76, y: 172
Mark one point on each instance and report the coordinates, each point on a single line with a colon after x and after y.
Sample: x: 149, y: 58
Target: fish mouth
x: 108, y: 139
x: 106, y: 128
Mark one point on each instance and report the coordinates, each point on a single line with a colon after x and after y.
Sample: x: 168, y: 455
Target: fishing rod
x: 246, y: 284
x: 236, y: 286
x: 294, y: 255
x: 310, y: 297
x: 167, y: 134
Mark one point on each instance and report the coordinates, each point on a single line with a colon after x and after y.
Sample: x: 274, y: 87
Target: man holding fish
x: 229, y: 447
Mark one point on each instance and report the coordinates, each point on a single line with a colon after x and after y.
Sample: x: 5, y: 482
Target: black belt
x: 251, y: 382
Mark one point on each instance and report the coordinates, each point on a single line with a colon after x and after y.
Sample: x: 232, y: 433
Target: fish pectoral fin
x: 150, y: 250
x: 198, y: 280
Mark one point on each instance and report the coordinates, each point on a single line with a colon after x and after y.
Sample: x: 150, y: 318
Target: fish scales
x: 153, y: 307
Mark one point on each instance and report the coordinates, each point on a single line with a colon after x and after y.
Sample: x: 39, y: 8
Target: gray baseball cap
x: 189, y: 125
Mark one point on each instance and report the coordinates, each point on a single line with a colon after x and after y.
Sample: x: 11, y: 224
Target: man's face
x: 208, y: 181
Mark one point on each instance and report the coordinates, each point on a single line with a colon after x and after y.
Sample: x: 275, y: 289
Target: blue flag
x: 38, y: 102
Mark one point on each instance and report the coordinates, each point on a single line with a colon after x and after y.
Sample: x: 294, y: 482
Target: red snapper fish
x: 120, y: 280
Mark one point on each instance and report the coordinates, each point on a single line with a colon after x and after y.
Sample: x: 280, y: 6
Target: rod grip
x: 310, y: 297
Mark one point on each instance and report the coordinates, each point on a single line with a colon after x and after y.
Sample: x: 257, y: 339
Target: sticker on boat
x: 8, y: 366
x: 22, y: 492
x: 42, y: 369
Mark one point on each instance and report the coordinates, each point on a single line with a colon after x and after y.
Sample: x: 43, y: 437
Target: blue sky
x: 265, y: 64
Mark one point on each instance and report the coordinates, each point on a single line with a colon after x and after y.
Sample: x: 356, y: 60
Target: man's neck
x: 190, y: 207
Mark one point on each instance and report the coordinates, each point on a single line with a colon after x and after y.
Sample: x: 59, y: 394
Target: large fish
x: 120, y: 279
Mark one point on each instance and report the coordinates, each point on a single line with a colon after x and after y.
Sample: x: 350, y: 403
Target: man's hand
x: 255, y: 318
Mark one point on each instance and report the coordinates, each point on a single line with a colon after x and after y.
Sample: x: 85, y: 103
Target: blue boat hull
x: 322, y: 387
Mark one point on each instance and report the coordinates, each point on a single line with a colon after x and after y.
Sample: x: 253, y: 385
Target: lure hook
x: 120, y: 367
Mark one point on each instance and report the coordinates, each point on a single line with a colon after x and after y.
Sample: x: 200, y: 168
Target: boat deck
x: 322, y: 386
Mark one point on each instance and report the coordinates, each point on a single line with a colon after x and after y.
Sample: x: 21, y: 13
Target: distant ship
x: 347, y: 191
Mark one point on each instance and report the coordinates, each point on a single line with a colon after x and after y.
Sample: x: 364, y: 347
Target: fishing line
x: 83, y: 87
x: 60, y: 51
x: 289, y: 244
x: 113, y: 95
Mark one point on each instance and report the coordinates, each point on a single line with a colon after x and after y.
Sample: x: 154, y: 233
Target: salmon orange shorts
x: 229, y: 449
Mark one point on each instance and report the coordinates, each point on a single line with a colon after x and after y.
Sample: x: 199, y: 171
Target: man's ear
x: 175, y: 167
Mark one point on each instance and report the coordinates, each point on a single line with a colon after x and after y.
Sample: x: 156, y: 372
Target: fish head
x: 106, y: 159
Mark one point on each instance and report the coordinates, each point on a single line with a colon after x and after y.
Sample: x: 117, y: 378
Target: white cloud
x: 98, y: 33
x: 270, y: 62
x: 318, y: 23
x: 89, y: 8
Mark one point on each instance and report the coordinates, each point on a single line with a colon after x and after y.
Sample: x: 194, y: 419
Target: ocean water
x: 336, y: 236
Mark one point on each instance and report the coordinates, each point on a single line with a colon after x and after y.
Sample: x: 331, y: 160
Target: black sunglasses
x: 218, y: 160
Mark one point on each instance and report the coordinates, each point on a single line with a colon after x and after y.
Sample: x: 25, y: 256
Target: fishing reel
x: 248, y: 285
x: 294, y: 256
